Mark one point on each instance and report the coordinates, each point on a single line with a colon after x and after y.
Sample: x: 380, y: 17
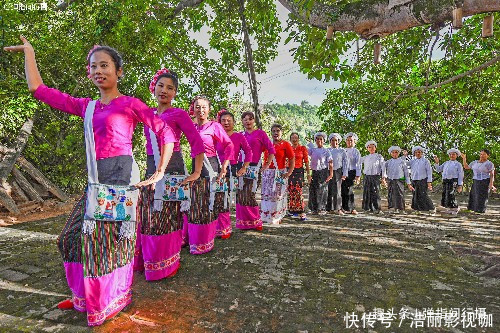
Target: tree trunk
x: 12, y: 154
x: 16, y: 189
x: 26, y: 186
x: 251, y: 68
x: 380, y: 18
x: 7, y: 201
x: 40, y: 178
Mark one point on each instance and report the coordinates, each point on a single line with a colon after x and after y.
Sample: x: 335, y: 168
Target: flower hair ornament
x: 219, y: 113
x: 152, y: 85
x: 96, y: 46
x: 191, y: 109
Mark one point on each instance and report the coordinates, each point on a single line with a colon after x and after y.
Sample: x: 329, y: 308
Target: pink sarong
x: 201, y: 237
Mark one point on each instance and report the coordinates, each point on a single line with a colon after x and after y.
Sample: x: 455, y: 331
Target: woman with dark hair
x: 236, y: 170
x: 209, y: 199
x: 483, y: 180
x: 98, y: 246
x: 275, y: 179
x: 247, y: 208
x: 159, y: 236
x: 296, y: 180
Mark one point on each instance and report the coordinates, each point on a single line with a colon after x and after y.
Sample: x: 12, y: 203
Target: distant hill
x: 302, y: 119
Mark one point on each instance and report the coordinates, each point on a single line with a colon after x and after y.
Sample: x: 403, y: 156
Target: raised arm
x: 492, y: 178
x: 464, y: 162
x: 30, y: 67
x: 437, y: 167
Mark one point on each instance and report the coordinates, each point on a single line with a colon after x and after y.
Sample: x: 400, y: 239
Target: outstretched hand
x: 19, y: 48
x: 191, y: 178
x: 155, y: 177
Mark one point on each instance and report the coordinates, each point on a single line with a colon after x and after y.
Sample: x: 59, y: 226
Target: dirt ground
x: 295, y: 277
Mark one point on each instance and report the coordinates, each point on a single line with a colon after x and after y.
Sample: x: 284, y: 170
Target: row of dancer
x: 98, y: 242
x: 115, y: 229
x: 336, y: 170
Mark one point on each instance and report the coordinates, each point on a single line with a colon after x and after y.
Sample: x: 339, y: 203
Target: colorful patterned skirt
x: 371, y: 193
x: 247, y: 208
x: 224, y: 228
x: 448, y: 198
x: 478, y: 197
x: 159, y: 230
x: 318, y: 190
x: 274, y: 202
x: 202, y: 222
x: 98, y: 265
x: 295, y: 197
x: 421, y: 200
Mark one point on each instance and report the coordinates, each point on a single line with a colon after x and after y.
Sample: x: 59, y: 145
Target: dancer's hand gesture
x: 26, y: 46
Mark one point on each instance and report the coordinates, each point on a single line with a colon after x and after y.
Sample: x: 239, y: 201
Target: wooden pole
x: 487, y: 26
x: 41, y: 179
x: 16, y: 189
x: 329, y: 32
x: 8, y: 202
x: 25, y: 185
x: 377, y: 50
x: 457, y: 18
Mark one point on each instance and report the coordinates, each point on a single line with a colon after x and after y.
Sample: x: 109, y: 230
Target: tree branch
x: 457, y: 77
x: 377, y: 19
x: 185, y: 4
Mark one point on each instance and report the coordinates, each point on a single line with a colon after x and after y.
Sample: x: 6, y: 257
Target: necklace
x: 102, y: 105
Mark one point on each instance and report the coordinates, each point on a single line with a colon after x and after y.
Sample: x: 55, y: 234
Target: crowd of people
x: 122, y: 224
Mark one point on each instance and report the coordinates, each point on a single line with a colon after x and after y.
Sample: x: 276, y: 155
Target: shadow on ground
x: 296, y: 277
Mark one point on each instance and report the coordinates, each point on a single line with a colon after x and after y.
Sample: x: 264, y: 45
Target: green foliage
x: 302, y: 118
x: 148, y: 36
x: 378, y: 101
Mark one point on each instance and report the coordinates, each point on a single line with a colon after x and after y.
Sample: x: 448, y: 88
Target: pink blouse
x: 239, y: 142
x: 212, y: 133
x: 259, y: 142
x: 113, y: 124
x: 180, y: 122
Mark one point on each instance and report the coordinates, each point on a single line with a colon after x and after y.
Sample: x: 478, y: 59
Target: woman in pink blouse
x: 159, y: 236
x: 247, y: 208
x: 99, y: 273
x: 237, y: 169
x: 208, y: 208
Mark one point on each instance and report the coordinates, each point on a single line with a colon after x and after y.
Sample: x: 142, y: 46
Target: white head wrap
x: 417, y: 148
x: 354, y: 136
x: 335, y: 135
x: 394, y: 148
x: 454, y: 150
x: 371, y: 142
x: 322, y: 134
